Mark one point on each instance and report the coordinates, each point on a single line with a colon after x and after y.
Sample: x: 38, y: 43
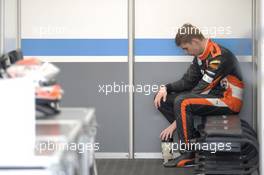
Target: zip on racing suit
x: 212, y: 85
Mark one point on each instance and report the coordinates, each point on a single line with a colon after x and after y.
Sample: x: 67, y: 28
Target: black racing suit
x: 212, y: 85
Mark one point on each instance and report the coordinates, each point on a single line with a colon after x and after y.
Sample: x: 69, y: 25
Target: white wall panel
x: 74, y: 19
x: 160, y: 18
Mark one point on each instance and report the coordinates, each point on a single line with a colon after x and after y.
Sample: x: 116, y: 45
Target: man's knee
x: 178, y: 100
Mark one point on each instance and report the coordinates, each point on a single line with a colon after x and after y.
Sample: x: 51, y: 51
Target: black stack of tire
x: 239, y: 151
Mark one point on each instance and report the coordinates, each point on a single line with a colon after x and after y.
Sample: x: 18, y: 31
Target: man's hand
x: 168, y: 132
x: 162, y: 94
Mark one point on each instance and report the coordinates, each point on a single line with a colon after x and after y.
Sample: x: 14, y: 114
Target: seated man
x: 212, y: 85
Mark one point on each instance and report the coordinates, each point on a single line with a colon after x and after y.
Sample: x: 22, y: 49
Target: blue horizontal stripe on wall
x: 119, y: 47
x: 167, y: 47
x: 75, y: 47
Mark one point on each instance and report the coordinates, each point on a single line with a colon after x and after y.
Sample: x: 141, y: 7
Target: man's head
x: 190, y: 39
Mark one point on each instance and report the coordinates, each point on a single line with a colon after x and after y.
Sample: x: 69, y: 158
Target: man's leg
x: 166, y: 108
x: 187, y: 106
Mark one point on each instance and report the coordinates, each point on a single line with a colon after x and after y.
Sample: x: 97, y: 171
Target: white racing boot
x: 166, y: 150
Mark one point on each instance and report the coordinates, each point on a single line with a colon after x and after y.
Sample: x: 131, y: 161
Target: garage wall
x: 88, y: 40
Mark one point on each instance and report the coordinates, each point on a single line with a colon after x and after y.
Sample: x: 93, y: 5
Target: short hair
x: 186, y: 33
